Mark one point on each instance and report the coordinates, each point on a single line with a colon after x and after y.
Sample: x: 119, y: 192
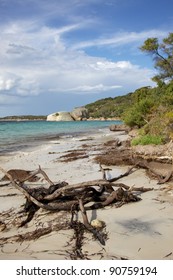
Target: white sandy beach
x: 138, y: 231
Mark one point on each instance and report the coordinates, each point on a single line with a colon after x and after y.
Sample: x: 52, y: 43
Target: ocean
x: 20, y: 135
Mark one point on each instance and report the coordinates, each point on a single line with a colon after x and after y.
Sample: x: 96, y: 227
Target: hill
x: 150, y: 109
x: 109, y: 107
x: 23, y: 118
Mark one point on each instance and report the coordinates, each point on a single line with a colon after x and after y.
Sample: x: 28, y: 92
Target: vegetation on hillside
x: 109, y: 107
x: 23, y: 117
x: 150, y: 109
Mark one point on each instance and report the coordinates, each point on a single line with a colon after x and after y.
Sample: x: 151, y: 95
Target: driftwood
x: 88, y: 226
x: 160, y: 177
x: 73, y: 198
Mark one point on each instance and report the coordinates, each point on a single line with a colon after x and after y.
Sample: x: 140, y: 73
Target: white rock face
x: 60, y: 116
x: 78, y: 114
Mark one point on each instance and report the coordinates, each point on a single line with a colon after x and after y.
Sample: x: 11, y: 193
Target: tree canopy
x: 162, y: 54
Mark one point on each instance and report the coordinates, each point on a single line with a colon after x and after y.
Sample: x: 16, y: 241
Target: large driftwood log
x: 65, y: 189
x: 56, y: 195
x: 63, y: 196
x: 160, y: 177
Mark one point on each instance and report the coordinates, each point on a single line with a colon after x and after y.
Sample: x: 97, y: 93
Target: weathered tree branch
x: 95, y: 232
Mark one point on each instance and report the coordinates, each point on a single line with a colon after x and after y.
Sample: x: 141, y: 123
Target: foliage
x: 24, y: 117
x: 109, y: 107
x: 137, y: 115
x: 146, y: 140
x: 163, y: 56
x: 150, y: 109
x: 169, y: 123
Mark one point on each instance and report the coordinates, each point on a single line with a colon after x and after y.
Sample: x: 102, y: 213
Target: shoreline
x: 28, y: 133
x: 32, y: 142
x: 141, y: 230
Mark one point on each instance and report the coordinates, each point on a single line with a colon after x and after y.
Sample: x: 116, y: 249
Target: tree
x: 162, y: 55
x: 137, y: 114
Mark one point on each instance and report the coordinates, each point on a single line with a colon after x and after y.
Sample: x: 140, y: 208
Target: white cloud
x: 120, y: 39
x: 6, y: 84
x: 8, y: 81
x: 36, y: 59
x: 94, y: 88
x: 109, y: 65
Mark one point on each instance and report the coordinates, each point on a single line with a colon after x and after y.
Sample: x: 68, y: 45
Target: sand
x: 137, y: 231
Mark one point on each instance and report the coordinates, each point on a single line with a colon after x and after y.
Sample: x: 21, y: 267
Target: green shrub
x: 137, y: 114
x: 147, y: 139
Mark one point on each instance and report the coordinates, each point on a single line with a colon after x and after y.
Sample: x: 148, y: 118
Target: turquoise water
x: 15, y: 135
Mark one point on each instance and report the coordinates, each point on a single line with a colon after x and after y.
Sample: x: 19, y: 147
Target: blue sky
x: 59, y: 54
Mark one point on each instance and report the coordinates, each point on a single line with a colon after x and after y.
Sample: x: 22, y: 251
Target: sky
x: 60, y: 54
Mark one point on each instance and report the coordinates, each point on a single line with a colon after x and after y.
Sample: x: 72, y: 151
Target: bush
x: 147, y: 139
x: 137, y: 114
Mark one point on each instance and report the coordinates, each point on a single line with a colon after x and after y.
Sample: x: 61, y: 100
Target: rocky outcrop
x: 119, y: 127
x: 60, y: 116
x: 96, y: 119
x: 79, y: 114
